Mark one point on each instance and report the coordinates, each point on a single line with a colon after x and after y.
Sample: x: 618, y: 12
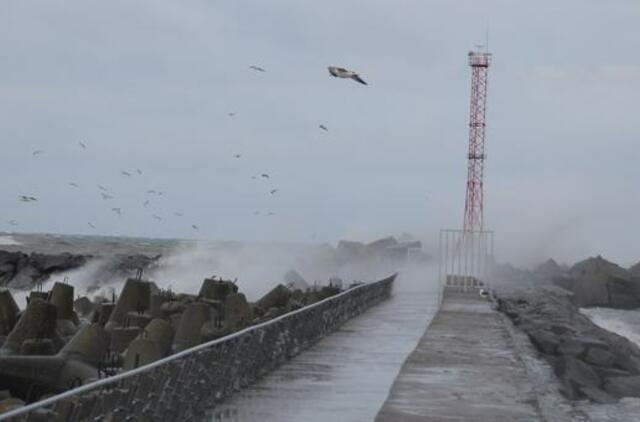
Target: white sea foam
x: 9, y: 241
x: 620, y: 321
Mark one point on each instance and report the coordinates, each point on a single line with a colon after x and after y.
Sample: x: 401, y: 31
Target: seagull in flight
x: 323, y: 127
x: 340, y: 72
x: 238, y: 155
x: 157, y: 217
x: 102, y: 188
x: 91, y: 225
x: 75, y: 185
x: 271, y: 213
x: 139, y: 171
x: 257, y: 68
x: 125, y: 173
x: 231, y: 114
x: 25, y: 198
x: 177, y: 214
x: 117, y: 211
x: 145, y: 203
x: 82, y: 145
x: 194, y: 227
x: 105, y: 196
x: 264, y: 175
x: 37, y: 152
x: 272, y: 191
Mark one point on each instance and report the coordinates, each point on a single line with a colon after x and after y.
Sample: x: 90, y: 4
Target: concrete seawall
x: 184, y: 385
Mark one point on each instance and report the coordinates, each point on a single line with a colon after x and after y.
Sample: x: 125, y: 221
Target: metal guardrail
x: 279, y: 339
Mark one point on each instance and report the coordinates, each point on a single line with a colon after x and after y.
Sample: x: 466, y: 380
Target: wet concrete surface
x: 465, y: 368
x: 346, y: 376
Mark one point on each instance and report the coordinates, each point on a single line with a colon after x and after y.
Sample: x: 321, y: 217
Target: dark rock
x: 571, y: 347
x: 599, y: 356
x: 544, y: 340
x: 628, y: 386
x: 596, y: 395
x: 576, y: 374
x: 277, y: 297
x: 83, y: 306
x: 549, y: 269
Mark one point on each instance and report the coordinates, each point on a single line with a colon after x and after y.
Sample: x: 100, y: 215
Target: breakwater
x: 184, y: 385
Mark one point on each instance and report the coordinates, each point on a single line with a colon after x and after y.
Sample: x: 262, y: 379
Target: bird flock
x: 107, y: 195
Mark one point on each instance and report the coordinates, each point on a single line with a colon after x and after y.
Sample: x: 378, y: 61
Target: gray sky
x: 148, y: 85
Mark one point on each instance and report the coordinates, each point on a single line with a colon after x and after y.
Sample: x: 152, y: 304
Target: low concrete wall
x: 185, y: 385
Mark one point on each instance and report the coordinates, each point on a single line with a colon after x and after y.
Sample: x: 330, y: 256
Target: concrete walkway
x: 347, y: 375
x: 465, y: 368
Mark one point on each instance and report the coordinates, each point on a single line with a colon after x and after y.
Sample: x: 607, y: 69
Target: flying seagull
x: 25, y: 198
x: 102, y: 188
x: 272, y: 191
x: 177, y: 214
x: 265, y: 175
x: 117, y: 210
x: 145, y: 203
x: 139, y: 172
x: 340, y: 72
x: 37, y: 152
x: 91, y: 225
x: 231, y: 114
x: 157, y: 217
x: 82, y: 145
x: 105, y: 196
x: 75, y: 185
x: 323, y: 127
x: 194, y: 227
x: 257, y: 68
x: 271, y: 213
x: 125, y: 173
x: 238, y: 155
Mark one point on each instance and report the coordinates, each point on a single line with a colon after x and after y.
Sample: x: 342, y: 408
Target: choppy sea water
x: 627, y: 324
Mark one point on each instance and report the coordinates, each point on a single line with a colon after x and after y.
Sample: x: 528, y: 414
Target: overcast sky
x: 148, y: 85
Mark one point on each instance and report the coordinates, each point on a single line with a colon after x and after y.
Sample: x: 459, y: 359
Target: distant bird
x: 37, y: 152
x: 82, y: 145
x: 145, y: 203
x: 194, y: 227
x: 271, y: 213
x: 25, y: 198
x: 91, y: 225
x: 264, y: 175
x: 177, y: 214
x: 231, y: 114
x: 323, y: 127
x: 151, y: 192
x: 139, y: 171
x: 272, y: 191
x: 257, y: 68
x: 340, y: 72
x: 125, y: 173
x: 117, y: 210
x: 102, y: 188
x: 238, y: 155
x: 105, y: 196
x: 13, y: 222
x: 157, y: 217
x: 75, y: 185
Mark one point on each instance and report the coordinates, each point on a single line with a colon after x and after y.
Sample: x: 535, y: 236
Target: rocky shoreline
x: 589, y: 361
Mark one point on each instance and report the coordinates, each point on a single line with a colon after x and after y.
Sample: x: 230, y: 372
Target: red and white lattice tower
x: 473, y: 207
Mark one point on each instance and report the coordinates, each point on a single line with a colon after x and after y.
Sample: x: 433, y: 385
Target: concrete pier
x: 465, y: 368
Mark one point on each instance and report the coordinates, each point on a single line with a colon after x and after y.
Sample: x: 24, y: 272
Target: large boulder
x: 626, y: 386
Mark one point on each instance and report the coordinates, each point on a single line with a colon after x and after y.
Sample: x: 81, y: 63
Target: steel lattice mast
x: 473, y: 208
